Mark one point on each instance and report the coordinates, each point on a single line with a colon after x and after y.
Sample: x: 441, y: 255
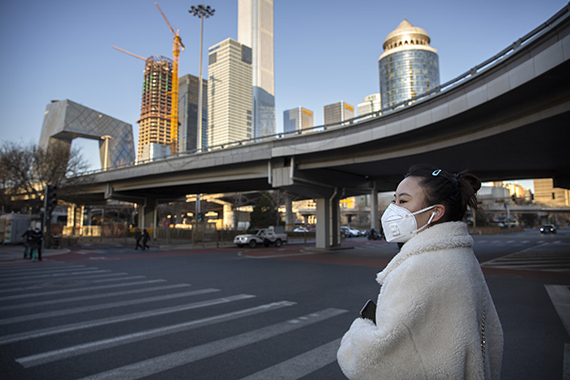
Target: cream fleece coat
x: 428, y: 315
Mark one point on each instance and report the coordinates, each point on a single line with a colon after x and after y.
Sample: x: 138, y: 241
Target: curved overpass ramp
x: 508, y: 118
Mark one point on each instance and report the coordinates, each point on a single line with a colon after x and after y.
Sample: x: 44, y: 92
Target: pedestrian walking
x: 28, y: 238
x: 138, y: 237
x: 145, y: 238
x: 434, y: 317
x: 37, y: 242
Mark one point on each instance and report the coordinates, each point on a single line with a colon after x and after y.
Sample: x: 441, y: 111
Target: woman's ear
x: 439, y: 212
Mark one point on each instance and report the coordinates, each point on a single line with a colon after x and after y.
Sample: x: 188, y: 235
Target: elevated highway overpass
x: 508, y: 118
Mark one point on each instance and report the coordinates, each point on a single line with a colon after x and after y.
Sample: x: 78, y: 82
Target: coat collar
x: 439, y: 236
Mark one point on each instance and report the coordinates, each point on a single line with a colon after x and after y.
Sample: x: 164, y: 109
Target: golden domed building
x: 409, y: 66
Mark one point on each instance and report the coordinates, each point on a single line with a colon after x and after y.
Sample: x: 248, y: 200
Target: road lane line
x: 83, y: 309
x: 301, y: 365
x: 88, y: 276
x: 69, y: 352
x: 32, y: 276
x: 560, y: 297
x: 27, y: 269
x: 183, y: 357
x: 27, y: 288
x: 92, y: 297
x: 75, y: 290
x: 116, y: 319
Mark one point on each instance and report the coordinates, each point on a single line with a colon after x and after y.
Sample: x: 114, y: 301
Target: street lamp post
x: 202, y: 11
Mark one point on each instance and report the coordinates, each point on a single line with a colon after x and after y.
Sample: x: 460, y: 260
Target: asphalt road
x: 109, y: 312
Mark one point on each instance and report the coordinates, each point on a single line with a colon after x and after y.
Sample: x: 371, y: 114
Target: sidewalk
x: 12, y: 252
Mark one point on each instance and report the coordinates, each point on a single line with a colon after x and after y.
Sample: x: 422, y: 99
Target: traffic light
x: 51, y: 199
x: 200, y: 217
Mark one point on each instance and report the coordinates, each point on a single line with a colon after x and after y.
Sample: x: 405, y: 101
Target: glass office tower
x: 188, y: 113
x: 338, y: 112
x: 408, y: 66
x: 255, y: 29
x: 229, y: 93
x: 297, y: 119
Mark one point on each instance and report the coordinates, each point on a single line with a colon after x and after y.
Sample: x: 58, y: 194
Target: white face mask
x: 400, y: 225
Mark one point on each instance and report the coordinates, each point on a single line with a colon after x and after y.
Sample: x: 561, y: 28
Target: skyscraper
x: 371, y: 103
x: 255, y: 29
x: 229, y: 93
x: 154, y: 123
x: 298, y: 118
x: 408, y: 66
x: 188, y: 113
x: 338, y: 112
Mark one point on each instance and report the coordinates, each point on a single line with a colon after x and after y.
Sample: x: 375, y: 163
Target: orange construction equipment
x: 177, y: 44
x: 129, y: 53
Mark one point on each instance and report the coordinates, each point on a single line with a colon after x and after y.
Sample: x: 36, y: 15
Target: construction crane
x: 129, y: 53
x: 177, y: 44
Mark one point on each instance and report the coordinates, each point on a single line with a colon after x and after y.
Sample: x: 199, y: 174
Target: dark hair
x: 454, y: 191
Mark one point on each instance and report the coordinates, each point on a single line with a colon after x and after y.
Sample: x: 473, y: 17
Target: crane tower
x: 176, y: 46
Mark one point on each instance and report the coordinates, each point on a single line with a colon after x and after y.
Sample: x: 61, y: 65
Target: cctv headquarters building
x: 409, y: 66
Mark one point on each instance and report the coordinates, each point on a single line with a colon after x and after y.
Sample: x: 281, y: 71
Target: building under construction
x: 154, y: 123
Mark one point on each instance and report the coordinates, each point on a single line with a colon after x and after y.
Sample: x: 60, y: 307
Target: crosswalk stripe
x: 176, y: 359
x: 116, y: 319
x: 86, y: 276
x: 110, y: 305
x: 300, y: 365
x: 48, y: 269
x: 74, y: 290
x: 92, y: 297
x: 51, y: 356
x: 28, y: 288
x: 76, y: 272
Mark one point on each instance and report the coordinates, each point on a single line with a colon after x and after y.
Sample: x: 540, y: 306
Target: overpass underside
x: 508, y: 120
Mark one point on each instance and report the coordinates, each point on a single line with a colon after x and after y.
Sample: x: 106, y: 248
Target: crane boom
x: 165, y: 19
x: 129, y: 53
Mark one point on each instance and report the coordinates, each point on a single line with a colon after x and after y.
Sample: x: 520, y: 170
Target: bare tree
x: 279, y: 198
x: 28, y: 169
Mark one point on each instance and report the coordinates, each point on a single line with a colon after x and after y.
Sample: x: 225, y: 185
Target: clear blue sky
x: 325, y: 50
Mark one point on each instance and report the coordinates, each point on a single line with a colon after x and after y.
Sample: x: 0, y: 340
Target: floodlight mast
x: 202, y: 11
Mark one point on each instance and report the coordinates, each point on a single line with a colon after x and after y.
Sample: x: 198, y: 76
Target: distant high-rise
x: 255, y: 29
x: 371, y: 103
x: 546, y: 194
x: 229, y: 93
x: 153, y: 151
x: 297, y: 118
x: 188, y: 113
x: 338, y: 112
x: 408, y: 66
x: 154, y: 123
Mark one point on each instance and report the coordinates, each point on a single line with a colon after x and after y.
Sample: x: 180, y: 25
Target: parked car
x: 265, y: 236
x: 301, y: 229
x: 547, y: 229
x: 349, y: 231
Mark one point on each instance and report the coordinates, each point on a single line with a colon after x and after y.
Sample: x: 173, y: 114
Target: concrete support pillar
x: 374, y: 223
x: 289, y: 217
x: 148, y: 216
x: 335, y: 220
x: 323, y: 223
x: 328, y: 222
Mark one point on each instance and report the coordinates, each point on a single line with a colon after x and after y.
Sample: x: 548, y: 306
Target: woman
x: 435, y: 318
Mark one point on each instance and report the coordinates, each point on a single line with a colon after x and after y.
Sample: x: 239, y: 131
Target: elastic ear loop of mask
x: 429, y: 221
